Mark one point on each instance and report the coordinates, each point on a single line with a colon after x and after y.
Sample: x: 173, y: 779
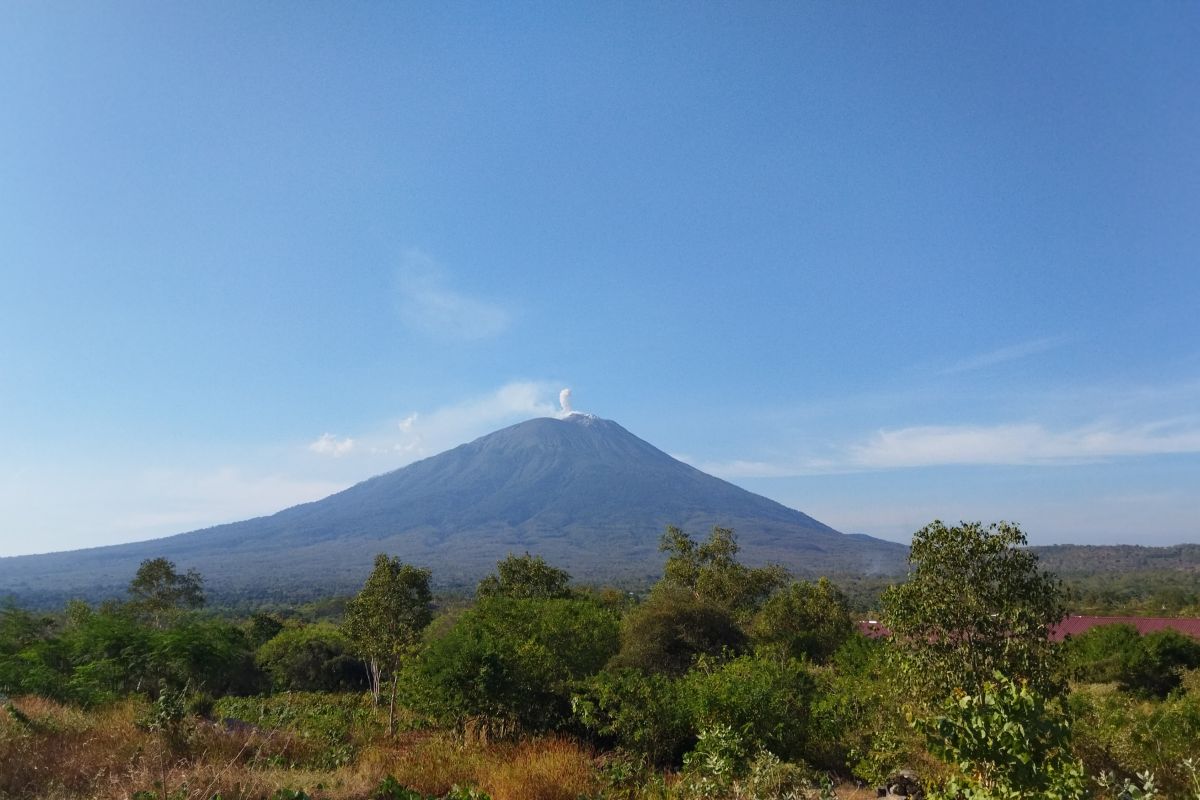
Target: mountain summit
x: 579, y: 490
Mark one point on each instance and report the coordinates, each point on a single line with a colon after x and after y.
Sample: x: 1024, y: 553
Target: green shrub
x: 765, y: 701
x: 1117, y: 732
x: 805, y: 620
x: 670, y: 630
x: 641, y: 714
x: 510, y: 664
x: 331, y: 725
x: 1006, y: 743
x: 311, y: 658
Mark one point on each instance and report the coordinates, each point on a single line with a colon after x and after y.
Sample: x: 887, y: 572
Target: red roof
x: 1075, y: 625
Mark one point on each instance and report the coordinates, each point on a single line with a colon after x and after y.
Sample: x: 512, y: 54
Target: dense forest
x: 720, y: 680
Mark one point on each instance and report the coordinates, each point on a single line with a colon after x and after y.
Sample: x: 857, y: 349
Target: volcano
x: 581, y: 491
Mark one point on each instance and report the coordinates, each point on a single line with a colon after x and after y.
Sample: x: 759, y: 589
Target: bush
x: 859, y: 720
x: 1158, y: 666
x: 805, y: 620
x: 311, y: 658
x: 1006, y: 743
x: 667, y: 632
x: 765, y: 701
x: 1152, y: 665
x: 510, y: 664
x: 639, y: 713
x: 1117, y: 732
x: 1103, y: 654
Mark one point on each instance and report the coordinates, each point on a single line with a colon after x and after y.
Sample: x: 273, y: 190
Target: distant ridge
x: 581, y: 491
x: 1093, y: 559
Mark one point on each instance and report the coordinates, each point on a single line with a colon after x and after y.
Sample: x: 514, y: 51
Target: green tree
x: 805, y: 620
x: 642, y: 713
x: 1157, y: 667
x: 385, y: 620
x: 310, y: 658
x: 765, y: 700
x: 1103, y: 654
x: 711, y: 571
x: 672, y: 628
x: 511, y: 664
x: 975, y: 603
x: 159, y: 592
x: 525, y: 577
x: 203, y: 655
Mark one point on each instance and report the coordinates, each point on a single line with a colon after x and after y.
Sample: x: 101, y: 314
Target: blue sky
x: 881, y: 262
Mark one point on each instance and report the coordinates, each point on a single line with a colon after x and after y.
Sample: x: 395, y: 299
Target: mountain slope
x: 581, y: 491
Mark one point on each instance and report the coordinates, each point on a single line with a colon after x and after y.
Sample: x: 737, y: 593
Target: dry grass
x: 533, y: 769
x: 54, y: 752
x: 543, y: 769
x: 430, y: 763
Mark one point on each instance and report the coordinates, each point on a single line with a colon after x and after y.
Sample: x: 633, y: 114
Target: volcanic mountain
x: 581, y: 491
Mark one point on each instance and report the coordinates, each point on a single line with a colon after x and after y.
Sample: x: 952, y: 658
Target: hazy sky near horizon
x: 880, y: 262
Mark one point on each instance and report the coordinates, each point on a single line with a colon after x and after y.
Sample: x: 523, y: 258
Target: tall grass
x: 545, y: 769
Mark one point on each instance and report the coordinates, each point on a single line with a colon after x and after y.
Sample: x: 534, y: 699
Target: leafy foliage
x: 805, y: 620
x: 711, y: 571
x: 158, y: 591
x: 1150, y: 665
x: 672, y: 628
x: 1007, y: 743
x: 975, y: 603
x: 311, y: 658
x: 640, y: 713
x: 525, y: 577
x: 765, y: 701
x: 510, y: 663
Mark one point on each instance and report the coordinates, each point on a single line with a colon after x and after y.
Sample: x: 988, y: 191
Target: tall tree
x: 160, y: 592
x: 528, y: 577
x: 385, y: 620
x: 712, y: 572
x: 805, y: 620
x: 975, y: 604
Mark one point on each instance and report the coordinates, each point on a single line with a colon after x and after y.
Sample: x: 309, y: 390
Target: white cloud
x: 1001, y: 444
x: 329, y: 445
x: 419, y: 434
x: 429, y: 305
x: 429, y: 433
x: 1008, y: 353
x: 1026, y: 443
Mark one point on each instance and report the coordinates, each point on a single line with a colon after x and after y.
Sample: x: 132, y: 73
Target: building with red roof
x: 1077, y: 624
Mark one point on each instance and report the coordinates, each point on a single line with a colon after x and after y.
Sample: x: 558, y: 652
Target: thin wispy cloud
x: 427, y: 433
x: 1014, y: 444
x: 329, y: 445
x: 1021, y: 444
x: 424, y: 433
x: 428, y: 304
x: 1003, y: 355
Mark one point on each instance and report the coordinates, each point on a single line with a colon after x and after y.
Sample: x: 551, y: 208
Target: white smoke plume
x: 564, y: 400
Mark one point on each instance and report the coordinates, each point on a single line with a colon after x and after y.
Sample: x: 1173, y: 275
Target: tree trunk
x: 392, y: 705
x: 373, y: 678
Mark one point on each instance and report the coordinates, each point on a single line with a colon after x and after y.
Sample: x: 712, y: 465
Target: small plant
x: 1143, y: 788
x: 290, y: 794
x: 1005, y: 741
x: 711, y: 767
x: 391, y: 789
x: 1192, y: 767
x: 466, y: 793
